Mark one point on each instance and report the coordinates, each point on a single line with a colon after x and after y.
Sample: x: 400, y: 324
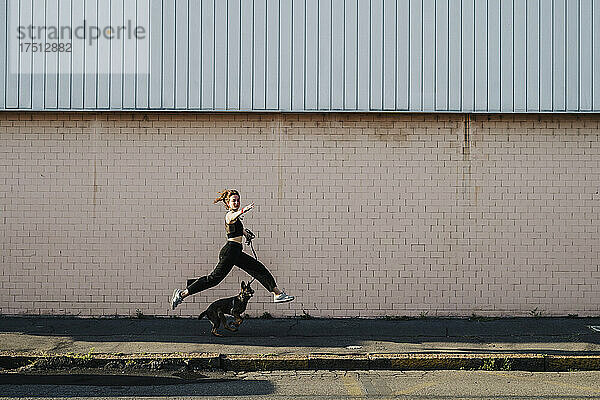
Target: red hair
x: 225, y: 195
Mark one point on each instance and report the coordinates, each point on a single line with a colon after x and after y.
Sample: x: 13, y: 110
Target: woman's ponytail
x: 225, y: 195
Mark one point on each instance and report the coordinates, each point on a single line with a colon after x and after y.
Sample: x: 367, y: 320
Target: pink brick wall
x: 357, y: 214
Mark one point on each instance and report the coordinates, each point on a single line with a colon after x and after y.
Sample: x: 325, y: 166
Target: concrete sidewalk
x: 535, y: 344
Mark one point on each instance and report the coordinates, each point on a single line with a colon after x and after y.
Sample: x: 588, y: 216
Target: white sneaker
x: 176, y: 299
x: 282, y: 298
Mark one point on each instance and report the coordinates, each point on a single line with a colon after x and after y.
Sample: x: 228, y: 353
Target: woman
x: 231, y: 254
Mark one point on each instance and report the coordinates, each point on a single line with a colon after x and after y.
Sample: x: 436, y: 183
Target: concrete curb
x: 271, y: 362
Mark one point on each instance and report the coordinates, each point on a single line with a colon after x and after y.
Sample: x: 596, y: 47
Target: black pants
x: 231, y: 254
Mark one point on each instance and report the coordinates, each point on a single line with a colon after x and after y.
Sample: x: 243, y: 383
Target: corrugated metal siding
x: 310, y: 55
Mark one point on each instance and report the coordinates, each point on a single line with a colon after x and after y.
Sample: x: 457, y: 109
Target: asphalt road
x: 302, y: 384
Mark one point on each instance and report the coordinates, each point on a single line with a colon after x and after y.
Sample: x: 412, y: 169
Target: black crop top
x: 234, y: 230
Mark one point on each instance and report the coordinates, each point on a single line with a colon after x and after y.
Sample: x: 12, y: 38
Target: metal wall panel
x: 376, y: 67
x: 429, y: 58
x: 272, y: 77
x: 546, y: 78
x: 493, y: 60
x: 233, y: 54
x: 26, y: 59
x: 454, y: 55
x: 468, y: 56
x: 364, y: 53
x: 63, y: 93
x: 103, y: 67
x: 441, y: 56
x: 38, y: 65
x: 246, y: 57
x: 298, y: 54
x: 506, y: 56
x: 155, y: 35
x: 259, y: 60
x: 324, y: 53
x: 337, y: 56
x: 572, y: 55
x: 116, y: 60
x: 481, y: 56
x: 559, y: 36
x: 13, y: 72
x: 596, y: 56
x: 303, y: 55
x: 585, y: 55
x: 207, y: 43
x: 3, y: 65
x: 311, y: 55
x: 350, y: 54
x: 415, y: 86
x: 220, y: 81
x: 194, y: 55
x: 168, y: 54
x: 520, y: 56
x: 285, y: 56
x: 129, y: 57
x: 533, y: 56
x: 402, y: 54
x: 182, y: 53
x: 142, y: 61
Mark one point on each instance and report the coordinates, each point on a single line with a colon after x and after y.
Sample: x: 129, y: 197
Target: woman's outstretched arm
x: 233, y: 215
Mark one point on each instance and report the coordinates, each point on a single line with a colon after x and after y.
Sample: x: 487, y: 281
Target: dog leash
x: 249, y: 241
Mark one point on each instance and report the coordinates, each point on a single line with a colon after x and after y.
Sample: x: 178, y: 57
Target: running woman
x: 231, y: 254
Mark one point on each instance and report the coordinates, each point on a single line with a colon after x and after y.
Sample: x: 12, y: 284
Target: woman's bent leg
x: 257, y: 270
x: 227, y: 258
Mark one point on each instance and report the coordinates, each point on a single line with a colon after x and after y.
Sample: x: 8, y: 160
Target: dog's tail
x: 202, y: 314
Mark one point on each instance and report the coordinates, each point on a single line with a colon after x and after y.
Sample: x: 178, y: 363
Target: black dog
x: 234, y: 306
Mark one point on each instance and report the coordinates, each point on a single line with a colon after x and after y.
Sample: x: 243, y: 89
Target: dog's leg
x: 232, y: 327
x: 215, y: 321
x: 225, y: 324
x: 238, y: 320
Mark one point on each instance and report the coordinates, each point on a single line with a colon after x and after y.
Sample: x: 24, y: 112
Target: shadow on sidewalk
x: 322, y: 333
x: 107, y: 386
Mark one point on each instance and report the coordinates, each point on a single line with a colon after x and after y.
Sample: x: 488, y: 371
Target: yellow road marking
x: 579, y: 387
x: 415, y: 388
x: 564, y: 385
x: 352, y: 385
